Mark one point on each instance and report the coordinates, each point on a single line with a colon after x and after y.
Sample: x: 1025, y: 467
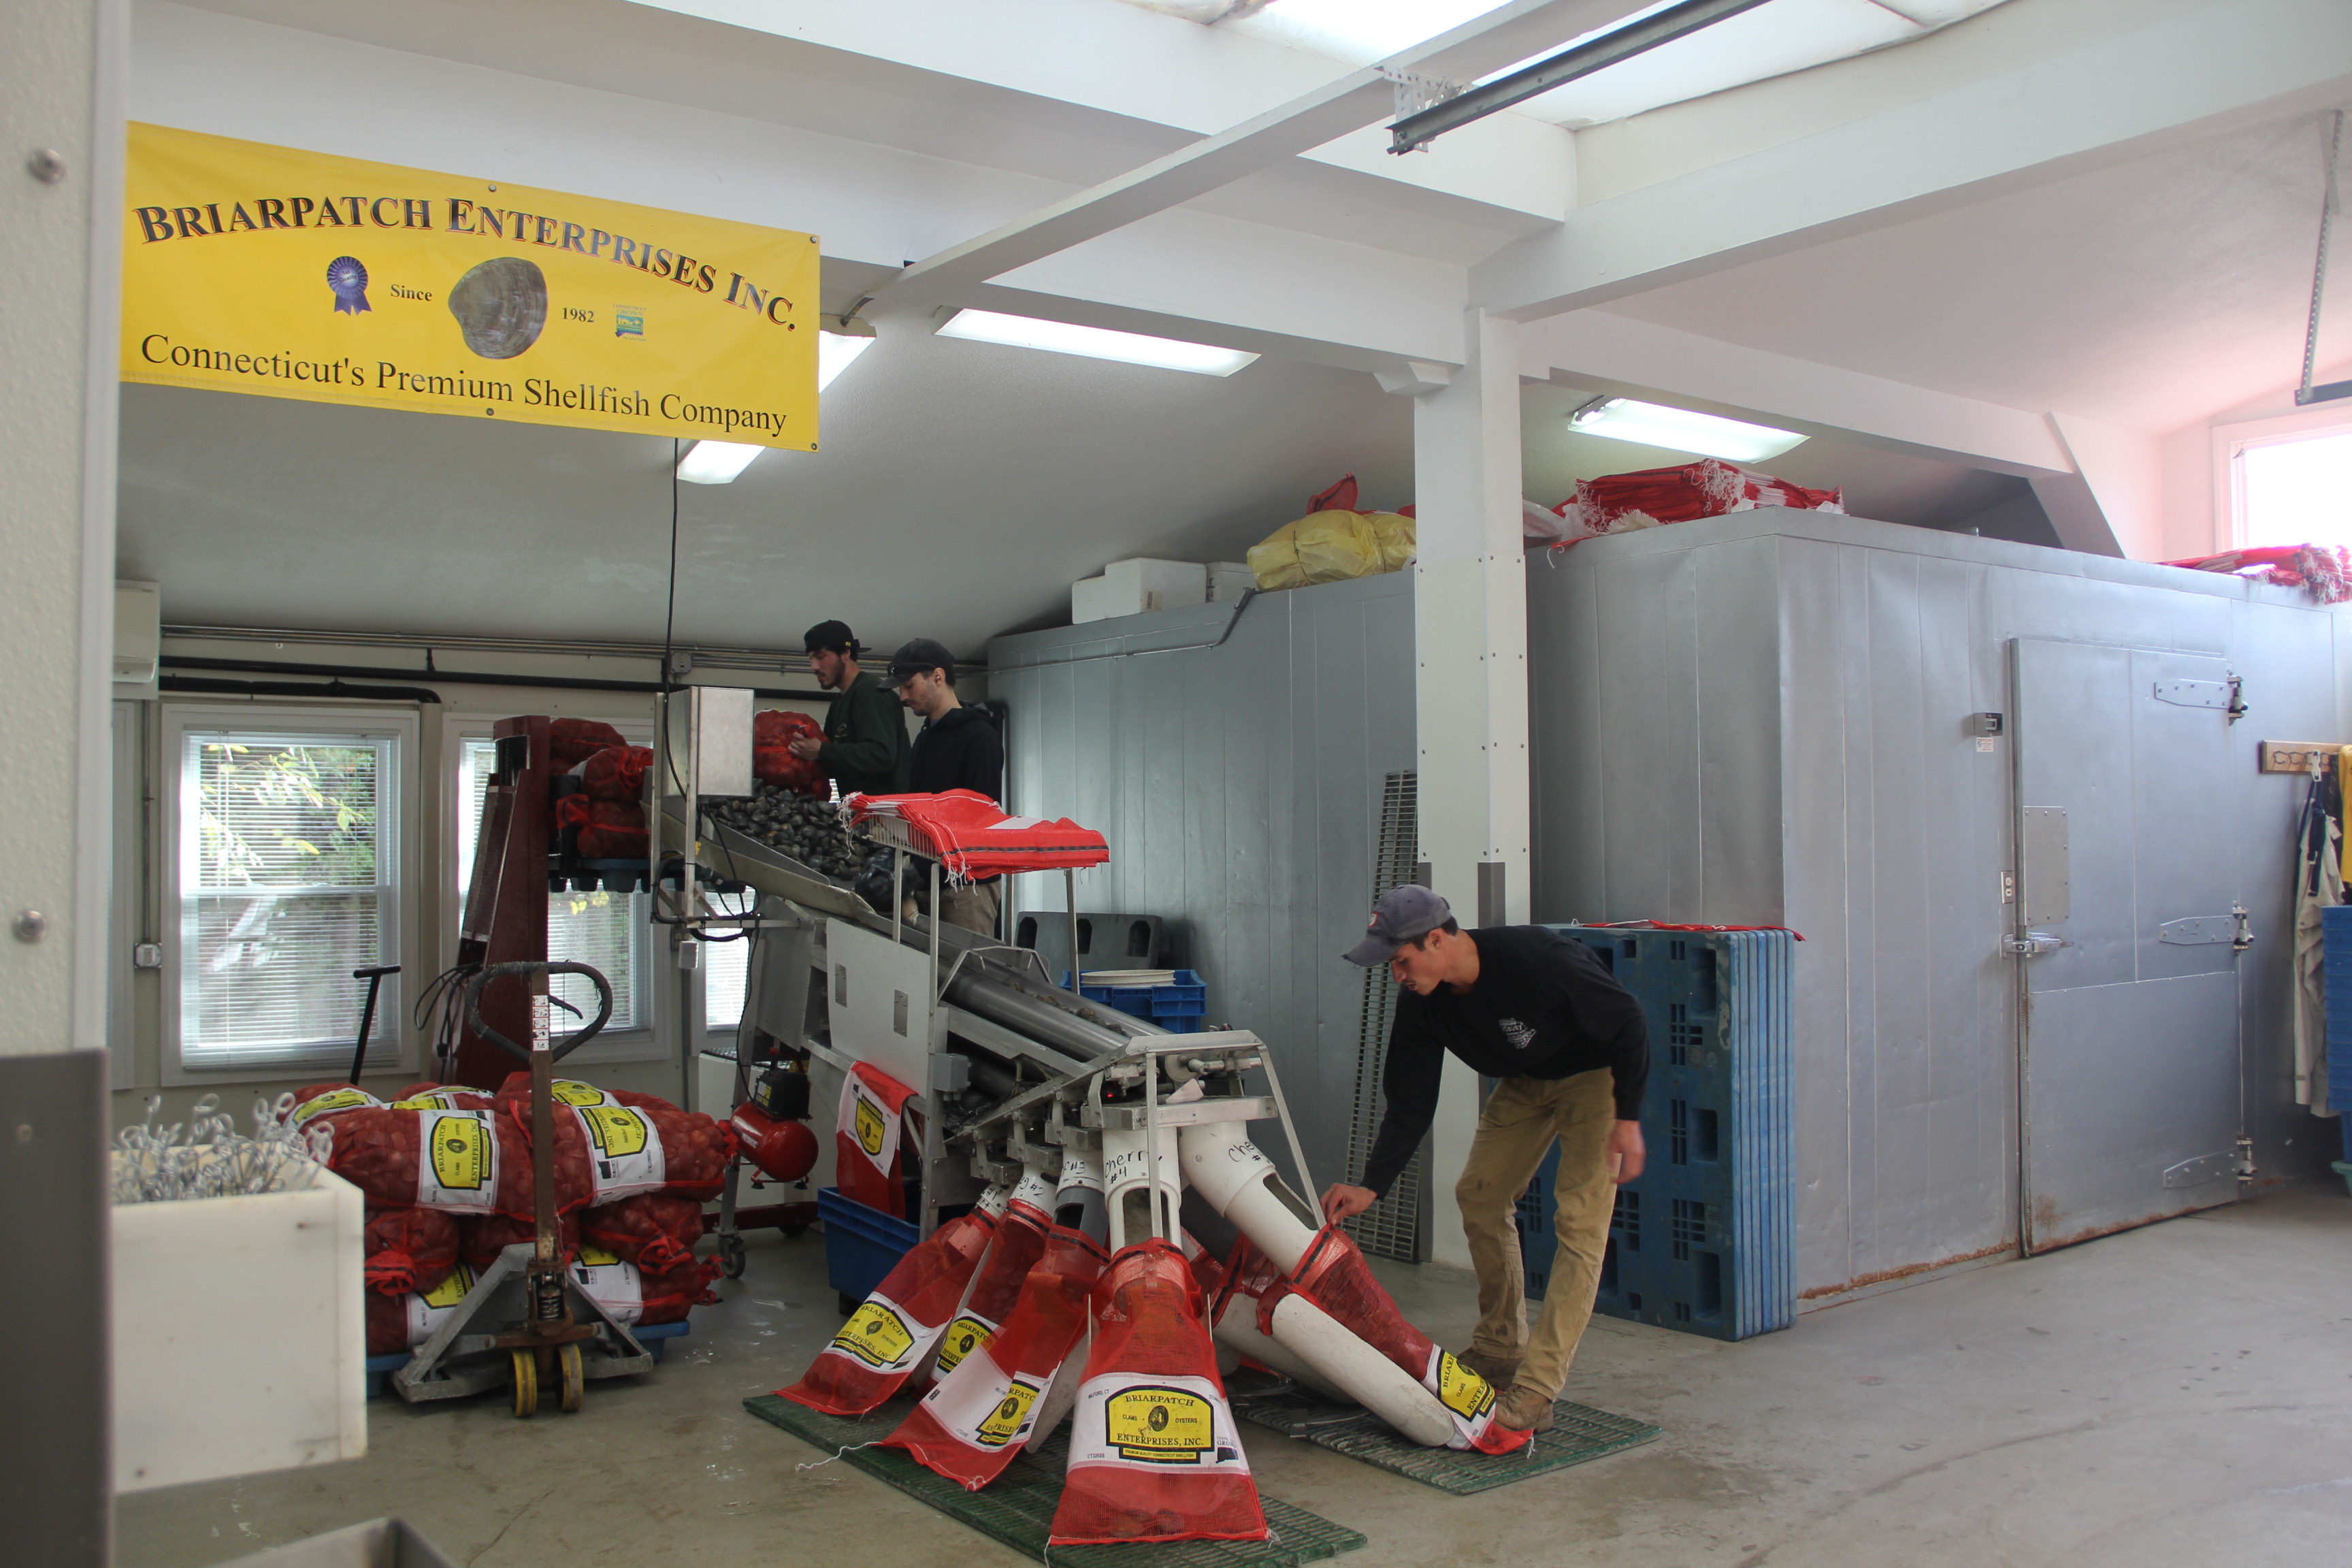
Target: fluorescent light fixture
x: 837, y: 348
x: 1094, y: 342
x: 716, y: 462
x: 1680, y: 430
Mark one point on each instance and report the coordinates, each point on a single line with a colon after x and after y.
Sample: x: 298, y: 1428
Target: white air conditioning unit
x: 138, y: 636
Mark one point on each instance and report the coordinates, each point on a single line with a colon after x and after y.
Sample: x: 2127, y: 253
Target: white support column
x: 1470, y: 693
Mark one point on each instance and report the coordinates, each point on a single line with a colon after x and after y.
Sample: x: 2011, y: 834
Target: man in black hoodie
x: 957, y: 748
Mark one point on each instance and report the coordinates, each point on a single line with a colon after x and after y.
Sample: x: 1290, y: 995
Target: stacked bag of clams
x: 448, y: 1177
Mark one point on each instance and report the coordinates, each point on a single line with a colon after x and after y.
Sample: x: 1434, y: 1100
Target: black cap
x: 916, y: 657
x: 830, y: 637
x: 1401, y: 914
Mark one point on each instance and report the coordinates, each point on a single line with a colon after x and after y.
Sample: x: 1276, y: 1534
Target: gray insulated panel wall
x: 1242, y: 770
x: 1769, y: 719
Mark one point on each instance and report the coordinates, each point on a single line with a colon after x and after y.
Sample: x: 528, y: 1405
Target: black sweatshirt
x: 959, y: 749
x: 1542, y: 1007
x: 864, y: 748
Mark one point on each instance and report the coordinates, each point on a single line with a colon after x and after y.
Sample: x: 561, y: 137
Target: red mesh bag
x: 613, y: 830
x: 651, y: 1230
x: 409, y: 1250
x: 481, y: 1238
x: 772, y: 731
x: 887, y: 1338
x: 434, y: 1096
x: 387, y: 1324
x: 573, y: 1092
x: 668, y: 1294
x: 328, y: 1099
x: 615, y: 774
x: 1334, y: 1276
x: 460, y: 1161
x: 1153, y: 1452
x: 868, y: 1129
x: 614, y: 1145
x: 396, y: 1323
x: 574, y: 741
x: 996, y: 1286
x: 1340, y: 497
x: 982, y: 1413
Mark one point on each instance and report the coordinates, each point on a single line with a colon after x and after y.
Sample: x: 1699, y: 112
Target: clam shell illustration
x: 501, y: 306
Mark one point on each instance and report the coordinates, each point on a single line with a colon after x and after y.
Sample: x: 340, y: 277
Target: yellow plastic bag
x: 1330, y: 547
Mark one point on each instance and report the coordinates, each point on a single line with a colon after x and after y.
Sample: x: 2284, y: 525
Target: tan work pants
x: 1521, y: 1119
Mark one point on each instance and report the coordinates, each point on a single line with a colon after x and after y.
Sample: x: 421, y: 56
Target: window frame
x: 401, y: 729
x: 652, y: 1041
x: 2231, y: 442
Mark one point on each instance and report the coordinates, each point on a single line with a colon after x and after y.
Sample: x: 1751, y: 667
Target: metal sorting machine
x: 1010, y: 1072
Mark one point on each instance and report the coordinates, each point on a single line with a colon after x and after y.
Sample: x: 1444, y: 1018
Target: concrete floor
x: 2176, y: 1394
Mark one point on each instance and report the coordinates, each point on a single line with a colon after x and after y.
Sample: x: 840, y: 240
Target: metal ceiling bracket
x: 2330, y: 203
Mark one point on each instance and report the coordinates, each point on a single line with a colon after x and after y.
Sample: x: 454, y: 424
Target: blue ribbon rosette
x: 348, y: 279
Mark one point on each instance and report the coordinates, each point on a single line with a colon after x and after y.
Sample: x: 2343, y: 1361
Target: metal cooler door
x: 2126, y: 820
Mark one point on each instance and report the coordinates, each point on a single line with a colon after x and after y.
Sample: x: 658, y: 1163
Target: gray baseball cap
x: 1401, y: 914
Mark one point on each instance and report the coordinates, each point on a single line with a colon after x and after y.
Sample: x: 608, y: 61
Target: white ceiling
x: 962, y: 487
x: 2149, y: 295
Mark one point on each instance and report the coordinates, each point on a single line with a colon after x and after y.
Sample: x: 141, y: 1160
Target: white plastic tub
x: 240, y: 1335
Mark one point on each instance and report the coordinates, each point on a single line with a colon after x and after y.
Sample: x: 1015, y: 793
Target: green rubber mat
x: 1017, y: 1508
x: 1578, y: 1433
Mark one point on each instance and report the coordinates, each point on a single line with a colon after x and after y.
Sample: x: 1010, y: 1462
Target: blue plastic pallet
x: 1705, y: 1242
x: 1178, y: 1007
x: 654, y: 1337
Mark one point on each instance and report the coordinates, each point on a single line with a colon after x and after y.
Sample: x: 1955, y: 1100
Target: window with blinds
x: 288, y: 850
x: 725, y: 966
x: 606, y: 929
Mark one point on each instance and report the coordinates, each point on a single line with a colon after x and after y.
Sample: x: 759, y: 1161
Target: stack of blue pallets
x: 2335, y: 934
x: 1176, y: 1006
x: 1706, y: 1240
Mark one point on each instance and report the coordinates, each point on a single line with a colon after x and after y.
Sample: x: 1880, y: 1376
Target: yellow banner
x: 249, y: 268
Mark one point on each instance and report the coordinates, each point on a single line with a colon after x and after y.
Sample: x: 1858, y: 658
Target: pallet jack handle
x: 561, y: 1048
x: 375, y: 977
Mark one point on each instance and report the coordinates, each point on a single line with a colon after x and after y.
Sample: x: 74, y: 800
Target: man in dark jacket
x: 957, y: 748
x: 865, y: 747
x: 1540, y: 1012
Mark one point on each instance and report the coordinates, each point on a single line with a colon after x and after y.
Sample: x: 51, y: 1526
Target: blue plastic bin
x: 861, y: 1244
x: 1178, y: 1007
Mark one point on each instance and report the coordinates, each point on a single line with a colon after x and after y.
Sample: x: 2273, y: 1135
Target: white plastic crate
x: 1135, y: 586
x: 240, y: 1335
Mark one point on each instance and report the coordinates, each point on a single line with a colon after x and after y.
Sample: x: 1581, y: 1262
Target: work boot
x: 1498, y: 1370
x: 1524, y: 1409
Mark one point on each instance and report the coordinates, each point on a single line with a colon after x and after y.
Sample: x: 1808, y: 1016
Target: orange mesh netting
x: 887, y: 1338
x: 969, y: 1427
x: 1153, y: 1453
x: 1335, y: 1277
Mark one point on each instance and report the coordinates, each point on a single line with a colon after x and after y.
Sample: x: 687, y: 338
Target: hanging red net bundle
x: 887, y: 1338
x: 652, y: 1230
x: 963, y: 830
x: 1619, y: 503
x: 772, y: 731
x: 865, y: 1144
x: 983, y: 1412
x: 1335, y: 1277
x: 408, y: 1249
x: 1153, y: 1452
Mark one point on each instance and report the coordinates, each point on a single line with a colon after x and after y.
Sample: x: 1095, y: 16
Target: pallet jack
x: 526, y: 1320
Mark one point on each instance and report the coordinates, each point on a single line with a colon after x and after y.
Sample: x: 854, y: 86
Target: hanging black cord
x: 669, y: 614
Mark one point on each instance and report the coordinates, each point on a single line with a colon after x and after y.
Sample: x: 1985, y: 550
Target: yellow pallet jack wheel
x: 526, y: 1383
x: 567, y: 1363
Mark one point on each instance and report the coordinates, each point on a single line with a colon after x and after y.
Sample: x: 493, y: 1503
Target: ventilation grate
x: 1392, y: 1227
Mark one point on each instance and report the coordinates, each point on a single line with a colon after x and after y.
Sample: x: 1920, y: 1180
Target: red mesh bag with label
x: 612, y: 1145
x: 460, y: 1161
x: 409, y: 1250
x: 984, y: 1411
x: 887, y: 1337
x: 574, y: 1091
x: 996, y: 1288
x: 617, y: 772
x: 573, y: 740
x: 613, y: 830
x: 318, y: 1101
x: 481, y: 1238
x: 1153, y: 1452
x: 438, y: 1097
x: 652, y: 1230
x: 1334, y: 1276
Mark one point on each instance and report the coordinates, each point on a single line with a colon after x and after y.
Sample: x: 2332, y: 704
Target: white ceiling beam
x: 1629, y: 358
x: 1356, y: 99
x: 2224, y: 64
